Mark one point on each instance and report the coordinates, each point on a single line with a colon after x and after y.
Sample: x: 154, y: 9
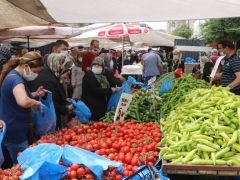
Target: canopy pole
x: 122, y: 51
x: 28, y: 43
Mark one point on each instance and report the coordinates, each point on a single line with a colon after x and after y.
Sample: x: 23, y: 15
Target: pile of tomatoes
x: 131, y: 143
x: 11, y: 174
x: 76, y: 172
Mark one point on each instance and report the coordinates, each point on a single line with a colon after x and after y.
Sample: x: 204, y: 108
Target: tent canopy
x: 92, y: 11
x: 40, y: 32
x: 12, y: 16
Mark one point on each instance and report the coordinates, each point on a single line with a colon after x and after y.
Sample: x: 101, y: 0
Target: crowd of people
x: 91, y: 75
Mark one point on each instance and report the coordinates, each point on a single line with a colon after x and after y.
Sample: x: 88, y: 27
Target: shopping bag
x: 97, y: 164
x: 126, y: 88
x: 44, y: 118
x: 113, y: 101
x: 166, y: 85
x: 81, y: 110
x: 2, y: 133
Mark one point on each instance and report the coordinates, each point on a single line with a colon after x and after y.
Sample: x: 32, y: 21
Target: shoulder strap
x: 10, y: 75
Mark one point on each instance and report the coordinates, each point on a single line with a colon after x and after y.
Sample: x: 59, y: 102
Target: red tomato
x: 80, y: 172
x: 90, y: 177
x: 118, y: 177
x: 87, y: 170
x: 72, y: 174
x: 74, y: 167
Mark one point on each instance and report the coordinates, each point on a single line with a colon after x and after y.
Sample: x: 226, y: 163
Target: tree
x: 218, y: 29
x: 183, y: 31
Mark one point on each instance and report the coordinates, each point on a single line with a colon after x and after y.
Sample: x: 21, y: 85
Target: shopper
x: 97, y: 89
x: 77, y: 75
x: 117, y: 63
x: 49, y: 78
x: 16, y: 100
x: 152, y: 65
x: 89, y: 56
x: 214, y: 56
x: 60, y: 46
x: 230, y: 75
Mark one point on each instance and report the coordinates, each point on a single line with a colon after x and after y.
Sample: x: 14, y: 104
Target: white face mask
x: 111, y: 64
x: 222, y: 54
x: 80, y: 59
x: 31, y: 76
x: 64, y: 53
x: 97, y: 70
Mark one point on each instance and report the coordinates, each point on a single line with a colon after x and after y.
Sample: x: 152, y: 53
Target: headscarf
x: 107, y: 58
x: 101, y: 78
x: 53, y: 61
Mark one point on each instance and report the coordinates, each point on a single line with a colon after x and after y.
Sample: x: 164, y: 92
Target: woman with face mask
x: 16, y: 100
x: 50, y: 78
x: 97, y: 89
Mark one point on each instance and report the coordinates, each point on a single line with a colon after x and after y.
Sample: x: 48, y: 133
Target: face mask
x: 64, y: 53
x: 111, y: 64
x: 80, y: 59
x: 222, y: 54
x: 97, y: 70
x: 31, y: 76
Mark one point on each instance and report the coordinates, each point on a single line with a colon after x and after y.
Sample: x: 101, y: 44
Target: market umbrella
x: 121, y: 31
x: 40, y: 32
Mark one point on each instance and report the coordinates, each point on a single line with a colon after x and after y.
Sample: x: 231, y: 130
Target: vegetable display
x: 144, y: 108
x: 204, y: 130
x: 181, y: 87
x: 131, y: 143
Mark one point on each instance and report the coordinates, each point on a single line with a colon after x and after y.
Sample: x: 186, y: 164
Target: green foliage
x: 183, y: 31
x: 218, y: 29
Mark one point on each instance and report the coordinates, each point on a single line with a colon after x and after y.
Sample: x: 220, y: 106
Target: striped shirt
x: 230, y: 67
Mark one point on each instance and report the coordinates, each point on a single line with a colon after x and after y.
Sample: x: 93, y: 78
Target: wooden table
x: 188, y: 169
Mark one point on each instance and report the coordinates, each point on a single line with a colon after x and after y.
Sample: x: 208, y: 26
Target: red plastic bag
x: 178, y: 73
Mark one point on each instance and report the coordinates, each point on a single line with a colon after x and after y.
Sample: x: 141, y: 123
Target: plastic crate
x: 147, y: 172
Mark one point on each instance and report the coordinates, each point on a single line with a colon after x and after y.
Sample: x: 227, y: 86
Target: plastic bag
x: 44, y: 119
x: 81, y: 110
x: 166, y: 85
x: 126, y: 88
x: 2, y: 133
x: 44, y: 170
x: 45, y: 152
x: 97, y: 164
x: 113, y: 101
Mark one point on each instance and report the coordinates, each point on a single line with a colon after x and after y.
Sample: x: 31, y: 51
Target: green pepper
x: 205, y: 148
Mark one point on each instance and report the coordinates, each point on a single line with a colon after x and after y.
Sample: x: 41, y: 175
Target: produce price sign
x: 215, y: 68
x: 122, y: 107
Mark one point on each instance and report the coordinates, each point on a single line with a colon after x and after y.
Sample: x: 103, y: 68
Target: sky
x: 157, y: 25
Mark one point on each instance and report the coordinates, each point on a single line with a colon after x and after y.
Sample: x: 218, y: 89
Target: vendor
x: 230, y: 75
x: 16, y: 101
x: 177, y: 60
